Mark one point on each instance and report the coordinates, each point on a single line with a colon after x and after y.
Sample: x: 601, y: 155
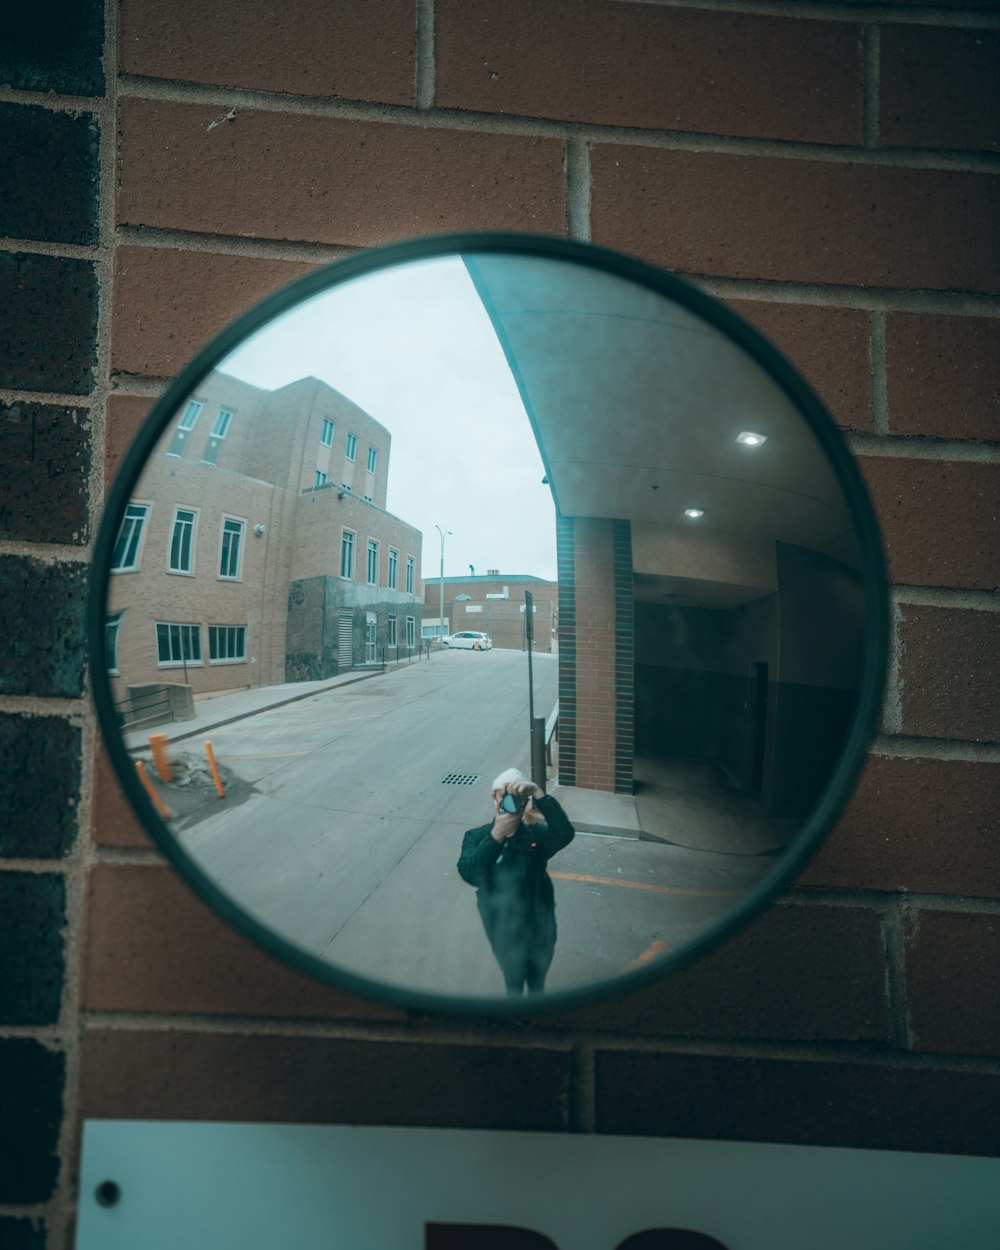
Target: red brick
x: 314, y: 1080
x: 168, y: 304
x: 939, y: 88
x: 125, y: 414
x: 665, y: 68
x: 328, y: 180
x: 796, y: 973
x: 952, y: 970
x: 949, y: 672
x: 813, y: 1103
x: 794, y: 220
x: 939, y: 520
x: 113, y: 822
x: 943, y: 375
x: 352, y: 49
x: 151, y: 946
x: 829, y: 346
x: 916, y: 824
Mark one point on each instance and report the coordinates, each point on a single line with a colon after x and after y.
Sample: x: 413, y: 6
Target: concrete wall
x: 831, y: 172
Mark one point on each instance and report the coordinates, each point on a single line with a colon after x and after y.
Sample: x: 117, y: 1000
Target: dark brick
x: 796, y: 220
x: 54, y: 45
x: 952, y: 970
x: 41, y: 618
x: 640, y: 65
x: 328, y: 179
x: 940, y: 520
x: 800, y: 1102
x: 48, y: 174
x: 939, y: 88
x: 20, y: 1233
x: 44, y: 467
x: 31, y: 1094
x: 211, y: 1076
x: 943, y: 375
x: 168, y: 304
x: 48, y: 319
x: 152, y: 946
x: 916, y: 824
x: 796, y: 972
x: 32, y: 917
x: 39, y: 786
x: 829, y: 346
x: 950, y: 677
x: 352, y: 49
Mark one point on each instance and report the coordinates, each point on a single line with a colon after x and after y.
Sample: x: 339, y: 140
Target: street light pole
x: 444, y: 534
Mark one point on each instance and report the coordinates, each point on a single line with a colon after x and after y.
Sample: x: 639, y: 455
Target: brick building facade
x: 256, y: 548
x: 493, y: 604
x: 831, y: 172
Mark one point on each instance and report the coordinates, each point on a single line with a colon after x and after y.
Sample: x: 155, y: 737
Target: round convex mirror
x: 662, y: 607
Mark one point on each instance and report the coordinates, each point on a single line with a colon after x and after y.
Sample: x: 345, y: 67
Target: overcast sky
x: 414, y: 347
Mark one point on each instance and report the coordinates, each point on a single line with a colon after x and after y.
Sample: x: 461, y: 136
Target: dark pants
x: 523, y: 941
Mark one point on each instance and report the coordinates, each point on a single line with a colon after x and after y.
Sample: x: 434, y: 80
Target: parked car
x: 467, y: 640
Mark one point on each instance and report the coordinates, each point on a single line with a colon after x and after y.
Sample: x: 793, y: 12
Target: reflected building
x: 493, y: 604
x: 257, y: 548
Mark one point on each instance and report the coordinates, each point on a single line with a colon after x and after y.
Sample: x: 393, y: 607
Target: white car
x: 468, y: 640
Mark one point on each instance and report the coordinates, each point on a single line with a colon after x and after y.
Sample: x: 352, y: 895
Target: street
x: 344, y: 818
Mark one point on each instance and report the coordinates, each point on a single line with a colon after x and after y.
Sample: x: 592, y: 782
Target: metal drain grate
x: 460, y: 779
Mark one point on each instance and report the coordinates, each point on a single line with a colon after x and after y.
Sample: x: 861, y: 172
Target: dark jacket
x: 513, y: 871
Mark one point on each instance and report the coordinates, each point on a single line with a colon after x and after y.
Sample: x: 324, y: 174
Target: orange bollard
x: 158, y: 745
x: 158, y: 803
x: 220, y: 789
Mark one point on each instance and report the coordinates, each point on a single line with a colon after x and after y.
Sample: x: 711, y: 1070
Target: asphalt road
x: 340, y: 832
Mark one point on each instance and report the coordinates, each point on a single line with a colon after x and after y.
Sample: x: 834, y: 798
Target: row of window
x: 351, y: 449
x: 322, y: 478
x: 347, y: 540
x: 128, y: 548
x: 178, y: 642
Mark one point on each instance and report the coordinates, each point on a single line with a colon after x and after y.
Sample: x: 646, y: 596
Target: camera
x: 513, y: 803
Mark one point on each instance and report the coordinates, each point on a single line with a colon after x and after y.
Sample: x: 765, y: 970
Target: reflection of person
x: 506, y: 861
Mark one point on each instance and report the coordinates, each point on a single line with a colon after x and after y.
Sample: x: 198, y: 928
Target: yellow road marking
x: 643, y: 885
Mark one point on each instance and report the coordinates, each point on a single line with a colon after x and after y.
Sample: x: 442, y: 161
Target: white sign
x: 473, y: 607
x: 305, y: 1187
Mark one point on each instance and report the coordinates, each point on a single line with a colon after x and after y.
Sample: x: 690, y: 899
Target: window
x: 227, y: 643
x: 411, y: 632
x: 347, y: 554
x: 232, y: 544
x: 112, y: 629
x: 321, y: 478
x: 326, y: 438
x: 177, y: 643
x: 352, y: 447
x: 182, y: 542
x: 391, y: 638
x: 221, y: 424
x: 372, y: 562
x: 189, y: 418
x: 409, y: 575
x: 126, y: 553
x: 372, y: 459
x: 393, y: 567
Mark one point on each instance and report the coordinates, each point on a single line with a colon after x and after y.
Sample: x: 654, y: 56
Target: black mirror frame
x: 871, y: 564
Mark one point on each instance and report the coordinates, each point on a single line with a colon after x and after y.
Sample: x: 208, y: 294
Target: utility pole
x: 444, y: 534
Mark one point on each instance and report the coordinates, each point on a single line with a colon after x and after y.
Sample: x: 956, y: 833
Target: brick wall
x: 832, y: 172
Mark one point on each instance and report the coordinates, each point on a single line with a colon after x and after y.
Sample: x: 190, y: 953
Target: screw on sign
x: 507, y: 1237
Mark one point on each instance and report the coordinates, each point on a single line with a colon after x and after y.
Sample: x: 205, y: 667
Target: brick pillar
x: 595, y: 649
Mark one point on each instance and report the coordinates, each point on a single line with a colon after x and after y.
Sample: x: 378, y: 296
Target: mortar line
x: 902, y: 746
x: 970, y: 16
x: 943, y: 159
x: 922, y: 448
x: 578, y: 185
x: 947, y: 597
x: 425, y: 68
x: 895, y: 973
x: 892, y: 702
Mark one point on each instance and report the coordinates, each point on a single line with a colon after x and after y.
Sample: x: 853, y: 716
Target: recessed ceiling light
x: 750, y: 438
x: 694, y: 513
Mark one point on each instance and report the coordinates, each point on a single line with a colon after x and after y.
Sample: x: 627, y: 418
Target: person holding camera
x: 506, y: 862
